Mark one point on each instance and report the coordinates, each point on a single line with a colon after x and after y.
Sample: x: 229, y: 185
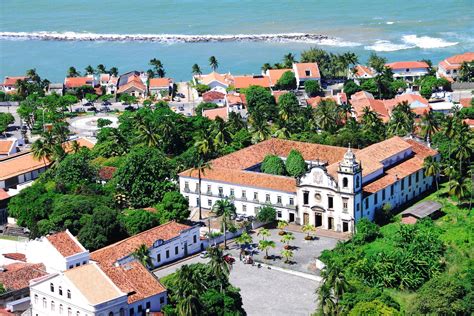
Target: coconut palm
x: 113, y: 71
x: 331, y: 291
x: 226, y: 209
x: 432, y: 169
x: 72, y: 72
x: 213, y: 63
x: 259, y: 126
x: 101, y: 69
x: 196, y: 70
x: 148, y: 134
x: 33, y: 75
x: 287, y: 254
x: 142, y: 254
x: 21, y: 88
x: 466, y: 72
x: 308, y: 229
x: 463, y: 148
x: 219, y: 132
x: 188, y: 287
x: 75, y: 146
x: 264, y: 245
x: 264, y: 233
x: 281, y: 226
x: 89, y: 70
x: 219, y: 267
x: 266, y: 66
x: 288, y: 60
x: 287, y: 238
x: 459, y: 188
x: 430, y: 125
x: 244, y: 239
x: 350, y: 58
x: 41, y: 151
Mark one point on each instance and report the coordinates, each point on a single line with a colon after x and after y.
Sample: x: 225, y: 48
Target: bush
x: 312, y: 88
x: 173, y: 207
x: 103, y: 122
x: 295, y: 164
x: 287, y: 81
x: 366, y: 231
x: 273, y: 165
x: 201, y: 88
x: 136, y: 221
x: 266, y: 214
x: 373, y: 308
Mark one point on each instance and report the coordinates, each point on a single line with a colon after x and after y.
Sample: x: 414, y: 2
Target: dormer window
x: 307, y: 73
x: 407, y: 70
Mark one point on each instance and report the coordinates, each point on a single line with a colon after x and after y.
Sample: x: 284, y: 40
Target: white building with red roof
x: 409, y: 70
x: 160, y: 87
x: 340, y: 187
x: 306, y: 71
x: 449, y: 67
x: 361, y: 72
x: 9, y: 84
x: 275, y: 75
x: 215, y: 81
x: 77, y: 82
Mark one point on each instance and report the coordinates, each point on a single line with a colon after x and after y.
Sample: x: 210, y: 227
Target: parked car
x: 203, y: 254
x: 92, y: 109
x: 79, y: 110
x: 106, y: 103
x: 181, y: 108
x: 129, y: 108
x: 88, y: 104
x: 229, y: 259
x: 105, y: 109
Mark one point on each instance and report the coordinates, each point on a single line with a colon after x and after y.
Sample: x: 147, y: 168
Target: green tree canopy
x: 5, y: 120
x: 173, y: 207
x: 76, y: 169
x: 287, y: 81
x: 260, y: 100
x: 136, y: 221
x: 266, y: 214
x: 350, y: 87
x: 373, y: 308
x: 295, y: 164
x: 273, y: 164
x: 312, y: 88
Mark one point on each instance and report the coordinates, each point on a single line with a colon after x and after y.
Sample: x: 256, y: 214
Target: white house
x: 9, y: 84
x: 8, y: 147
x: 449, y: 67
x: 340, y: 187
x: 409, y: 70
x: 215, y: 81
x: 215, y: 97
x: 160, y: 87
x: 306, y: 71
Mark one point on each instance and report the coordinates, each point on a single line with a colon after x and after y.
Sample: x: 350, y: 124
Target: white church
x: 340, y: 187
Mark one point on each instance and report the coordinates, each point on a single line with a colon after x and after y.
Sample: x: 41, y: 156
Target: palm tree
x: 89, y: 70
x: 459, y: 188
x: 21, y: 88
x: 466, y: 72
x: 308, y: 228
x: 264, y: 245
x: 72, y: 72
x: 219, y: 267
x: 264, y: 233
x: 148, y: 134
x: 266, y: 66
x: 142, y: 254
x: 244, y: 239
x: 430, y: 125
x: 41, y: 151
x: 260, y: 128
x: 287, y: 254
x: 281, y: 226
x: 75, y: 146
x: 33, y: 75
x: 325, y: 115
x: 188, y: 287
x: 101, y: 69
x: 213, y: 63
x: 288, y: 60
x: 196, y: 70
x: 113, y: 71
x: 463, y: 145
x: 219, y: 132
x: 331, y: 291
x: 287, y: 238
x: 432, y: 169
x: 227, y: 210
x: 351, y: 58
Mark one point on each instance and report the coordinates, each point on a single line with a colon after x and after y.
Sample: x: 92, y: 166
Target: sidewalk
x: 320, y: 232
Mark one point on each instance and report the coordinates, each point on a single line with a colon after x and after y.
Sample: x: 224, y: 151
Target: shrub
x: 312, y: 88
x: 201, y: 88
x: 295, y: 164
x: 366, y: 231
x: 273, y: 164
x: 373, y: 308
x: 266, y: 214
x: 287, y: 81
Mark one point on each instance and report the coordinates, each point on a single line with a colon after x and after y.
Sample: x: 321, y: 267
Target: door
x: 185, y: 249
x: 292, y: 217
x: 318, y: 220
x: 305, y: 218
x: 330, y: 223
x: 345, y: 227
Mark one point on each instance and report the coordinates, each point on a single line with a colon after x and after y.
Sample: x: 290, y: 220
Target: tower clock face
x: 318, y: 177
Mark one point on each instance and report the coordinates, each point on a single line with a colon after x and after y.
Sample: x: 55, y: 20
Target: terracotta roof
x: 465, y: 102
x: 210, y: 96
x: 65, y: 243
x: 418, y: 104
x: 314, y: 102
x: 76, y: 82
x: 225, y: 79
x: 231, y: 168
x: 362, y: 99
x: 313, y: 68
x: 275, y: 75
x: 278, y: 93
x: 469, y: 122
x: 213, y: 113
x: 133, y: 82
x: 407, y: 65
x: 235, y: 98
x: 15, y: 256
x: 6, y: 146
x: 106, y: 172
x: 93, y: 283
x: 18, y: 275
x: 160, y: 82
x: 242, y: 82
x: 11, y: 81
x: 364, y: 71
x: 4, y: 195
x: 454, y: 62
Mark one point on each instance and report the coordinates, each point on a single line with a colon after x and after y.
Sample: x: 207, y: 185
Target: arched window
x: 51, y: 287
x: 111, y: 314
x: 60, y: 290
x: 122, y: 312
x: 78, y: 313
x: 45, y: 303
x: 69, y: 311
x: 68, y: 293
x: 357, y: 181
x: 36, y: 298
x: 52, y: 306
x: 60, y: 309
x: 345, y: 182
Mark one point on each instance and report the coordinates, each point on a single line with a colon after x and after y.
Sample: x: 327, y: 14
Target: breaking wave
x: 163, y: 38
x: 410, y: 41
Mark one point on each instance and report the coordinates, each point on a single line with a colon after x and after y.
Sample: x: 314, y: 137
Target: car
x: 181, y: 108
x: 203, y: 254
x: 129, y: 108
x: 106, y: 103
x: 79, y: 110
x: 229, y: 259
x: 105, y: 109
x: 92, y: 109
x: 88, y: 104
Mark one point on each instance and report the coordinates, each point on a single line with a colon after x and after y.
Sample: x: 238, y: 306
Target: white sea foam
x: 389, y: 22
x: 410, y: 41
x: 337, y: 42
x: 163, y: 38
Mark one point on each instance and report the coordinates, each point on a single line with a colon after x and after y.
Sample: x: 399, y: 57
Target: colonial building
x: 340, y: 187
x: 409, y: 70
x: 449, y: 67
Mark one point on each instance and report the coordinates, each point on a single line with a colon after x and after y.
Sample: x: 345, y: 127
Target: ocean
x: 113, y: 32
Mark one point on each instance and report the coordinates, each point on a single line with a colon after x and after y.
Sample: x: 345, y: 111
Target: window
x: 244, y: 194
x: 391, y: 189
x: 232, y: 192
x: 357, y: 181
x: 366, y: 203
x: 186, y: 186
x: 403, y: 184
x: 221, y: 191
x: 244, y: 208
x: 344, y: 205
x: 84, y: 262
x: 78, y: 264
x: 140, y: 309
x: 292, y: 201
x: 167, y: 254
x: 69, y: 311
x: 71, y: 266
x: 51, y: 287
x: 111, y: 314
x: 68, y: 293
x: 279, y: 199
x: 330, y: 202
x: 417, y: 177
x: 407, y: 70
x: 60, y: 291
x: 409, y: 181
x: 208, y: 189
x: 255, y: 196
x: 376, y: 195
x: 158, y: 257
x: 132, y: 311
x: 148, y: 305
x: 305, y: 197
x: 176, y: 250
x: 209, y: 202
x: 345, y: 182
x: 267, y: 197
x: 52, y: 306
x: 122, y: 312
x: 60, y: 309
x: 195, y: 239
x: 279, y: 214
x: 45, y: 303
x: 162, y: 300
x: 383, y: 194
x: 358, y: 207
x: 307, y: 73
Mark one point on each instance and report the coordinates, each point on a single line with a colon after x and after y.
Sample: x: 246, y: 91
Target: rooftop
x: 132, y: 82
x: 6, y: 146
x: 11, y: 81
x: 76, y: 82
x: 407, y: 65
x: 423, y: 209
x: 275, y: 74
x: 65, y: 243
x: 17, y: 276
x: 454, y: 62
x: 212, y: 114
x: 303, y: 68
x: 210, y: 96
x: 225, y: 79
x: 242, y: 82
x: 160, y: 82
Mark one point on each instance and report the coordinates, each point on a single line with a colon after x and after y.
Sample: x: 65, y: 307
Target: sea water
x: 72, y: 33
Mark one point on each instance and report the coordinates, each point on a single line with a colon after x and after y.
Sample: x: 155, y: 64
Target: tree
x: 266, y: 66
x: 101, y: 122
x: 144, y: 177
x: 260, y: 100
x: 72, y: 72
x: 213, y: 63
x: 287, y: 254
x: 2, y: 289
x: 137, y: 221
x: 218, y: 266
x: 366, y: 231
x: 173, y: 207
x: 287, y: 81
x: 326, y: 115
x: 264, y: 245
x: 113, y: 71
x: 273, y: 164
x: 466, y: 72
x: 333, y: 287
x: 226, y: 209
x: 402, y: 120
x: 76, y: 169
x: 101, y: 69
x: 376, y: 62
x: 42, y: 151
x: 244, y: 239
x: 281, y: 226
x: 308, y: 229
x: 432, y: 169
x: 157, y: 67
x: 430, y: 125
x: 202, y: 88
x: 287, y: 238
x: 5, y: 120
x: 266, y: 214
x: 196, y: 70
x: 350, y: 87
x: 90, y: 97
x: 288, y: 60
x: 142, y: 255
x: 373, y: 308
x: 312, y: 88
x: 259, y: 127
x: 459, y: 188
x: 295, y: 164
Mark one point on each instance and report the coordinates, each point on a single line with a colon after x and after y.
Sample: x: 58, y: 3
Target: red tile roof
x: 210, y: 96
x: 132, y: 82
x: 242, y: 82
x: 465, y: 102
x: 11, y: 81
x: 4, y: 195
x: 225, y: 79
x: 275, y: 75
x: 313, y: 68
x: 407, y: 65
x: 315, y: 101
x: 278, y: 93
x: 18, y: 275
x: 15, y: 256
x: 160, y: 82
x: 212, y: 114
x: 66, y: 244
x: 76, y: 82
x: 235, y: 98
x: 6, y: 146
x: 364, y: 71
x: 454, y: 62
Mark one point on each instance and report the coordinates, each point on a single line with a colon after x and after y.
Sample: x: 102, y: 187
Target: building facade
x: 340, y: 187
